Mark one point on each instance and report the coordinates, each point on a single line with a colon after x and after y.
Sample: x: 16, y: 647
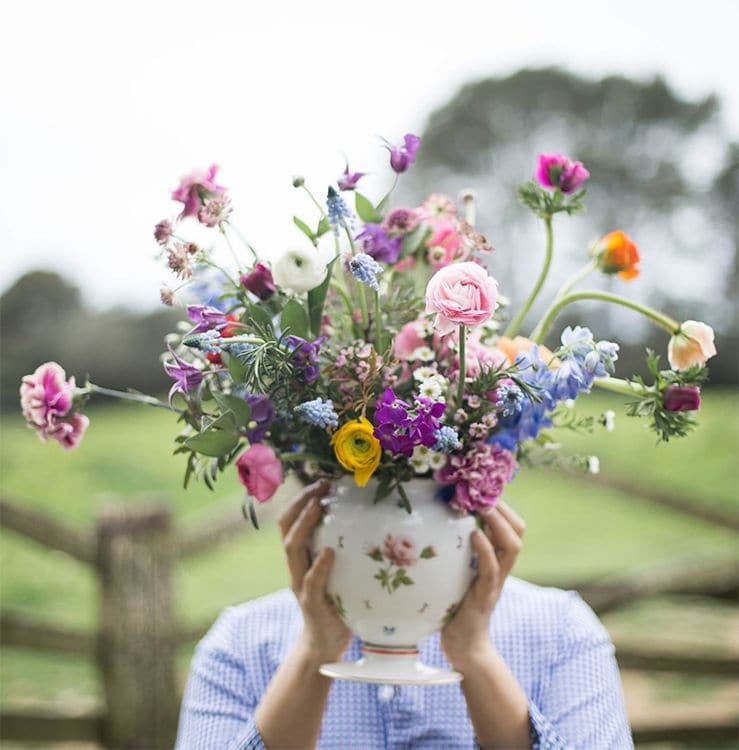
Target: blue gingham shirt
x: 552, y: 642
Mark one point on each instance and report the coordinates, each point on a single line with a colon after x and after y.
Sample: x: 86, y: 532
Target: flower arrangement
x: 392, y: 357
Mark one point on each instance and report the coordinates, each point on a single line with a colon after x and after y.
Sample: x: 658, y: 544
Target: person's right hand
x: 324, y: 635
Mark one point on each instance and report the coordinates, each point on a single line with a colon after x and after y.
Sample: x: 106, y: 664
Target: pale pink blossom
x: 409, y: 339
x: 461, y: 294
x: 195, y: 187
x: 260, y: 471
x: 692, y: 345
x: 400, y: 550
x: 438, y: 207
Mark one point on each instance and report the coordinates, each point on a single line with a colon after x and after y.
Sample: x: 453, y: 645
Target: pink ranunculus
x: 260, y: 471
x: 46, y: 395
x: 692, y: 345
x: 478, y: 476
x: 196, y: 186
x: 409, y: 339
x: 461, y: 294
x: 400, y: 550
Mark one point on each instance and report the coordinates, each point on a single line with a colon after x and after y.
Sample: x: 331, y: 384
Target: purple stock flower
x: 261, y: 417
x: 186, y: 377
x: 305, y: 356
x: 402, y: 157
x: 206, y: 318
x: 259, y: 282
x: 400, y: 426
x: 349, y: 180
x: 377, y: 243
x: 682, y: 398
x: 557, y: 171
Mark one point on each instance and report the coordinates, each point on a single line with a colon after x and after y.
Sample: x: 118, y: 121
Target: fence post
x: 137, y: 636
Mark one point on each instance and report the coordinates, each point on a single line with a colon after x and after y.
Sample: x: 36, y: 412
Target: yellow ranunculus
x: 357, y: 449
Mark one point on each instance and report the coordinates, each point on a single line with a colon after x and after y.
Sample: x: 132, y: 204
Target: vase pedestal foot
x: 383, y: 665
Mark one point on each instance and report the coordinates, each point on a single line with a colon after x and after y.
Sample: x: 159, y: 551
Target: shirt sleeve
x: 580, y: 702
x: 218, y: 707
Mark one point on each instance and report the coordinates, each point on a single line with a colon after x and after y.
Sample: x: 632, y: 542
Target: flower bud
x: 682, y: 398
x: 298, y: 181
x: 616, y: 253
x: 259, y: 282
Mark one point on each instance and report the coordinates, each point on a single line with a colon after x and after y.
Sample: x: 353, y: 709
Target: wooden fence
x: 133, y: 552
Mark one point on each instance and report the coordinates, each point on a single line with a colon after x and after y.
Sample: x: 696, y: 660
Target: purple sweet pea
x: 400, y: 426
x: 377, y: 243
x: 261, y: 418
x: 349, y: 180
x: 186, y: 377
x: 206, y: 318
x: 259, y: 282
x: 402, y: 157
x: 305, y: 356
x: 682, y: 398
x: 555, y: 171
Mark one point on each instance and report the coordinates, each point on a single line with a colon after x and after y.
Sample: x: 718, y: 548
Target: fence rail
x: 134, y: 550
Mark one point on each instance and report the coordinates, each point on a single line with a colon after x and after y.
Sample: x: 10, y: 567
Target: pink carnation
x: 46, y: 398
x: 400, y: 550
x: 461, y: 294
x: 478, y: 476
x: 260, y: 471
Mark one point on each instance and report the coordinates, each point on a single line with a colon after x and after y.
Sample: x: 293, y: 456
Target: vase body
x: 397, y: 576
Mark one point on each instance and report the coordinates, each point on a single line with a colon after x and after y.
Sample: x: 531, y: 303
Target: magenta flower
x: 206, y: 318
x: 46, y: 399
x: 259, y: 282
x: 378, y: 244
x: 400, y: 426
x: 349, y: 180
x: 195, y: 187
x: 682, y: 398
x: 403, y: 157
x: 557, y: 172
x: 401, y: 221
x: 214, y: 211
x: 186, y: 377
x: 260, y: 471
x: 478, y: 476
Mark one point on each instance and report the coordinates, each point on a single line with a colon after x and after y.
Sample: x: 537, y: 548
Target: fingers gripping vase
x: 397, y: 577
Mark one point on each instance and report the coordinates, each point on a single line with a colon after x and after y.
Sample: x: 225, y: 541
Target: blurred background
x: 103, y: 108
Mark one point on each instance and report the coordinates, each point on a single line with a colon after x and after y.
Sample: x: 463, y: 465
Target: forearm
x: 290, y: 712
x: 497, y: 705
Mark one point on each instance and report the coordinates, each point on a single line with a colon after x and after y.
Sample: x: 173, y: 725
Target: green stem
x: 324, y: 215
x: 543, y: 326
x: 462, y: 375
x: 378, y: 323
x: 515, y: 324
x: 243, y: 240
x: 222, y: 229
x: 620, y: 386
x: 210, y: 263
x: 336, y: 286
x: 585, y: 271
x: 140, y: 398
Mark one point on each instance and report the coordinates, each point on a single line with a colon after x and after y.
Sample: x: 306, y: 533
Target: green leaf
x: 234, y: 404
x: 428, y: 552
x: 236, y: 370
x: 323, y: 227
x: 250, y: 513
x: 294, y: 317
x: 317, y: 299
x: 404, y: 502
x: 365, y: 210
x: 212, y: 442
x: 260, y: 316
x: 305, y: 229
x: 375, y: 554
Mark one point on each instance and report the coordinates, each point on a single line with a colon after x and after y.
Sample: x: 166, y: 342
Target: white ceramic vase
x: 397, y: 577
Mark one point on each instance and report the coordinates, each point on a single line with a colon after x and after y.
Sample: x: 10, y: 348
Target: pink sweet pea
x: 260, y: 471
x: 195, y: 187
x: 692, y: 345
x: 555, y: 171
x: 461, y: 294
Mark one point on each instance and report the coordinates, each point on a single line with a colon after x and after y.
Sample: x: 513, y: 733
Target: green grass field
x: 575, y: 530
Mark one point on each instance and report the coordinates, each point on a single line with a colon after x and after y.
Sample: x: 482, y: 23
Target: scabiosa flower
x: 349, y: 180
x: 365, y: 269
x: 379, y: 244
x: 555, y: 171
x: 179, y: 259
x: 166, y: 295
x: 401, y: 221
x: 305, y: 356
x: 447, y: 440
x: 479, y: 476
x: 261, y: 417
x: 338, y: 212
x: 682, y: 398
x: 400, y: 426
x: 186, y: 377
x: 403, y: 157
x: 196, y: 187
x: 214, y: 211
x: 318, y: 412
x: 509, y: 399
x: 163, y: 231
x: 259, y: 282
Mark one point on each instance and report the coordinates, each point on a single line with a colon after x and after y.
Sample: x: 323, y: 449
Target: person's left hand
x: 466, y: 638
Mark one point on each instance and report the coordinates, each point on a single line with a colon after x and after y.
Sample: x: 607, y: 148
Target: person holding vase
x: 538, y: 668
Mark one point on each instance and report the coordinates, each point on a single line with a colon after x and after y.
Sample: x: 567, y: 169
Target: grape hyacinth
x: 338, y: 212
x: 365, y: 269
x: 447, y: 440
x: 318, y: 412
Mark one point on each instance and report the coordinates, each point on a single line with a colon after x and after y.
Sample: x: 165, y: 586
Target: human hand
x: 466, y: 638
x: 325, y: 637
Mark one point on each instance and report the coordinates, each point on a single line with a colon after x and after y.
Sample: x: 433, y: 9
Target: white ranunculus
x: 299, y: 270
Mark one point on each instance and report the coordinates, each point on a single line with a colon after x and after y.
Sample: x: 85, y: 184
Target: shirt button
x: 385, y: 693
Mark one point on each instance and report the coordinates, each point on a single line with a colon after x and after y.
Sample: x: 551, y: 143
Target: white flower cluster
x: 424, y: 459
x: 431, y: 384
